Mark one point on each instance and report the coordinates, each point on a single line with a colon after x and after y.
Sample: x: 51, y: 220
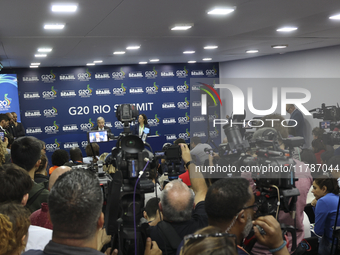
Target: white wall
x: 315, y: 70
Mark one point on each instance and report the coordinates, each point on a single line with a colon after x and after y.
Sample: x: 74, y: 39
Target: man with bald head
x: 182, y: 208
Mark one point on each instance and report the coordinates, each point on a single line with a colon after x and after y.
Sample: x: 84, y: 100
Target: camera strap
x: 170, y: 234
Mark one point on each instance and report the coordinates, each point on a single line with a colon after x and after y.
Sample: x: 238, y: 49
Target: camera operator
x: 177, y: 202
x: 303, y: 184
x: 230, y: 205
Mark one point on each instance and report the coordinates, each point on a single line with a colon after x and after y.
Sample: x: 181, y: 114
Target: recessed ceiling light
x: 44, y: 50
x: 35, y: 64
x: 279, y: 46
x: 189, y: 52
x: 54, y: 26
x: 181, y: 27
x: 40, y: 55
x: 286, y: 29
x: 192, y: 61
x: 154, y: 60
x: 90, y: 64
x: 98, y: 61
x: 211, y: 47
x: 143, y: 62
x: 252, y: 51
x: 64, y: 8
x: 335, y: 16
x: 207, y: 59
x: 136, y: 47
x: 119, y: 52
x: 221, y: 11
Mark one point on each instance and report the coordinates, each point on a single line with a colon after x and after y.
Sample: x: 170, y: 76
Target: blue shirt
x: 325, y: 212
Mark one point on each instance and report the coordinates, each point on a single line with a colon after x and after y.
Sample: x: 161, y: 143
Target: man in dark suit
x: 18, y: 127
x: 101, y: 125
x: 296, y: 115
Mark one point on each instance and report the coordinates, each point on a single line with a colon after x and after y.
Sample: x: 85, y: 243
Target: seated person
x: 14, y: 224
x: 76, y: 157
x: 59, y: 158
x: 41, y: 174
x: 101, y: 125
x: 326, y: 192
x: 142, y: 124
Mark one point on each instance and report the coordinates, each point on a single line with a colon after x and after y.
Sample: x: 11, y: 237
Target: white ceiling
x: 100, y: 27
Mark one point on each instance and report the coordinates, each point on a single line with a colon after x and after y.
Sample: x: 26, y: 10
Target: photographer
x: 230, y: 205
x: 177, y: 201
x: 303, y: 184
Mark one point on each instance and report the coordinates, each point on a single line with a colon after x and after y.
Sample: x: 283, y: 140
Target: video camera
x: 329, y: 114
x: 172, y: 155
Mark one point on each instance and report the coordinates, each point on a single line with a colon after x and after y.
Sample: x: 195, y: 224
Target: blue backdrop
x: 59, y: 105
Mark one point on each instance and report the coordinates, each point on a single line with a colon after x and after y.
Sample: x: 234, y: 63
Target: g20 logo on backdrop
x: 84, y: 76
x: 184, y: 120
x: 87, y: 126
x: 84, y: 144
x: 119, y: 125
x: 211, y: 72
x: 52, y: 129
x: 48, y: 113
x: 185, y: 135
x: 50, y: 94
x: 184, y: 105
x: 183, y: 88
x: 182, y: 73
x: 119, y: 91
x: 48, y: 78
x: 153, y: 89
x: 5, y: 104
x: 85, y: 92
x: 118, y: 75
x: 154, y: 122
x: 151, y: 74
x: 52, y: 147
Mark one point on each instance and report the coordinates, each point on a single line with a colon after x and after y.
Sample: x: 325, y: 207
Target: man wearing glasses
x: 230, y: 205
